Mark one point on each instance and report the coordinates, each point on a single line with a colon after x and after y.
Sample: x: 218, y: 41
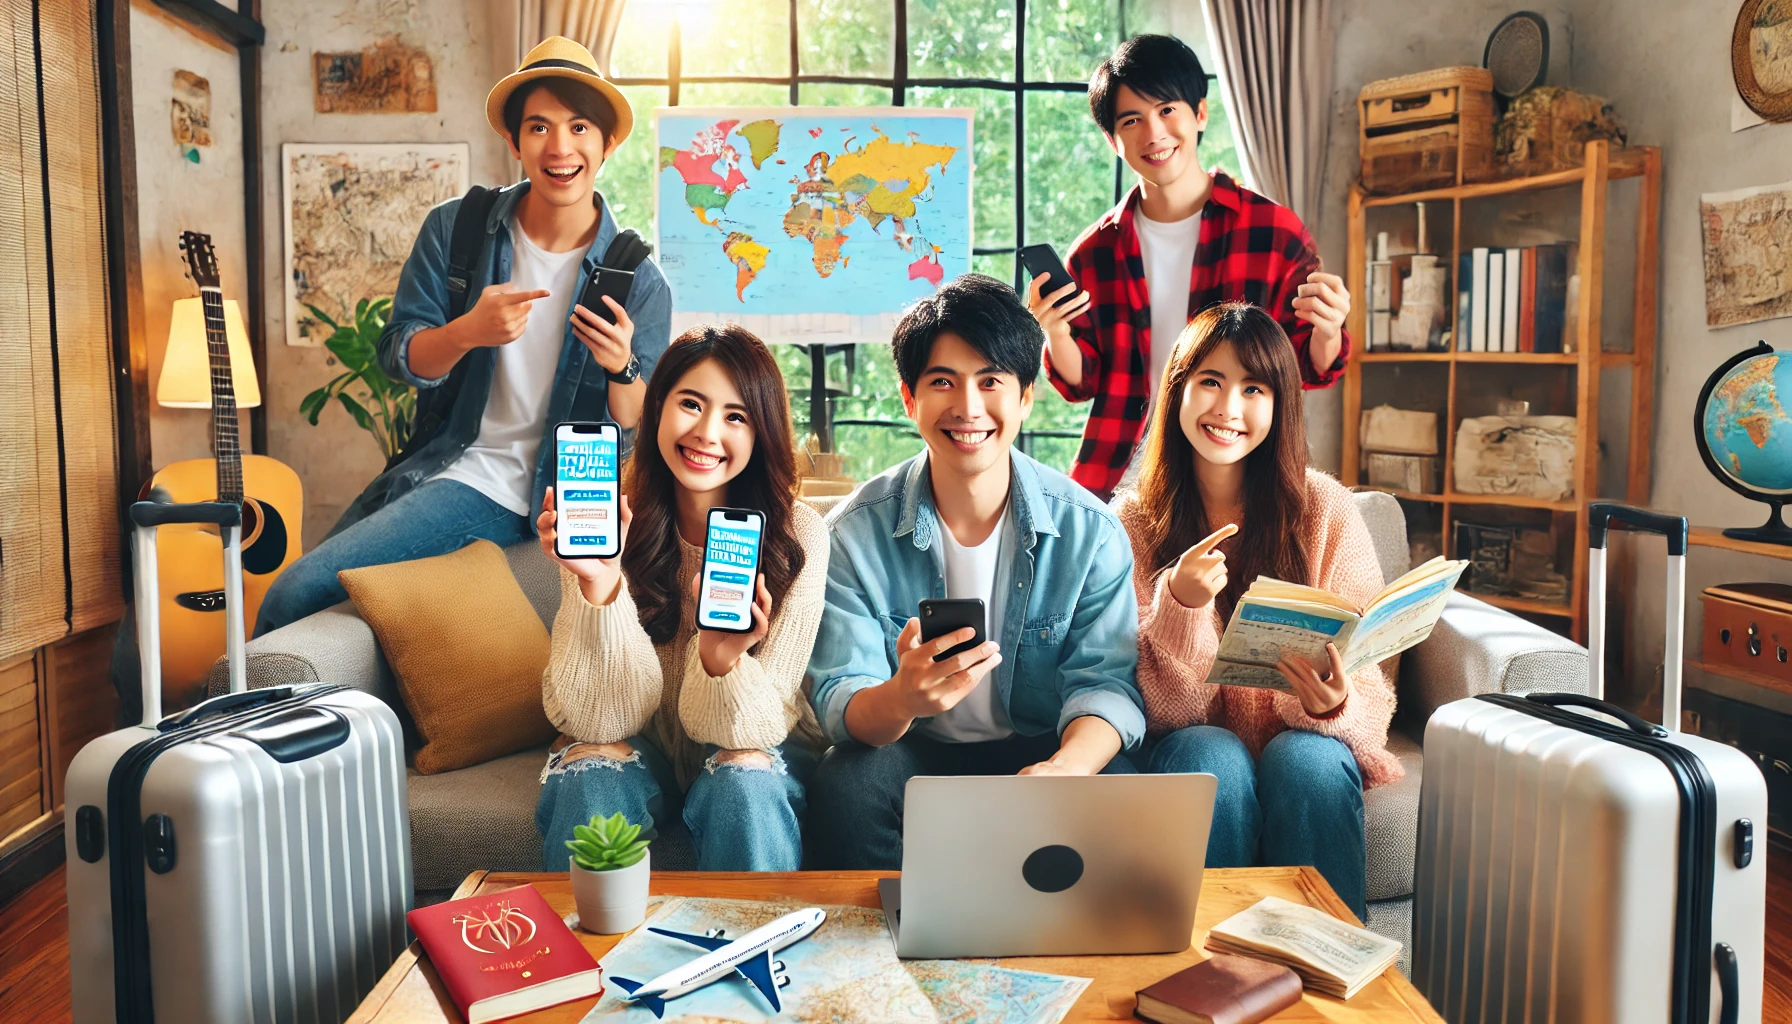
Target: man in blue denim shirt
x: 534, y: 357
x: 1053, y: 693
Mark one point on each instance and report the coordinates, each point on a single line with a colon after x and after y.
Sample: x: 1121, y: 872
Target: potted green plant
x: 380, y: 405
x: 609, y: 866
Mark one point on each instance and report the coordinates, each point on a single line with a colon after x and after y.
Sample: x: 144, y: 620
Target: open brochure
x: 1276, y: 619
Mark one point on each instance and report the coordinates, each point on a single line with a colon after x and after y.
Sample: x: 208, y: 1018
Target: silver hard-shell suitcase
x: 247, y: 860
x: 1594, y: 870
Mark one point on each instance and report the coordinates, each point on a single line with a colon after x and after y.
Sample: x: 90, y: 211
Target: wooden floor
x: 34, y: 982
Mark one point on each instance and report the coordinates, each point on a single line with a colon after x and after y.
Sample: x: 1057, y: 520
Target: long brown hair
x: 1275, y: 473
x: 768, y: 482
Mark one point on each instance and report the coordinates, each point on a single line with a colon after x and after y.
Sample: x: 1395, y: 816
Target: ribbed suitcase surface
x: 247, y: 861
x: 1575, y: 869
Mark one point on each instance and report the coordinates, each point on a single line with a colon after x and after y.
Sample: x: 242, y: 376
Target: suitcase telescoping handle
x: 147, y: 516
x: 1600, y: 516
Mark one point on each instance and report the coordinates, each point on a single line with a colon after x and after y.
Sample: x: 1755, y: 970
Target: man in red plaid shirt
x: 1111, y: 340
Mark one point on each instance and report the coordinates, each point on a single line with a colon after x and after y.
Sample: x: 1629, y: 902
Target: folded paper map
x: 1330, y: 956
x: 1275, y: 620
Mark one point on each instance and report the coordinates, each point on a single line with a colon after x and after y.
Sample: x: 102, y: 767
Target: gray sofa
x: 483, y: 817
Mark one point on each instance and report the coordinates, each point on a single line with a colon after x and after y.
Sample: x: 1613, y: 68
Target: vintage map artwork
x: 385, y: 78
x: 352, y: 212
x: 1748, y: 254
x: 811, y: 224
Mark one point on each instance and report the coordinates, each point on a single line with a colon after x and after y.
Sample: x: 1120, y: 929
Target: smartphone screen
x: 730, y: 570
x: 588, y: 518
x: 940, y: 616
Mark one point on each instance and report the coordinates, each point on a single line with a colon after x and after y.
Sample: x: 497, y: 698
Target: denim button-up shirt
x: 580, y: 385
x: 1070, y: 629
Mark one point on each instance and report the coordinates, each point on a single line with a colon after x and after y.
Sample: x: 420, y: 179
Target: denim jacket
x: 1070, y: 629
x: 580, y: 385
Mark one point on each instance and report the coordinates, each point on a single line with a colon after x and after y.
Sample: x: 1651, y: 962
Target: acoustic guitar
x: 190, y: 558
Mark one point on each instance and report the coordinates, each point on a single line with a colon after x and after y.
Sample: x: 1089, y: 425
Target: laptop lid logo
x: 1052, y: 868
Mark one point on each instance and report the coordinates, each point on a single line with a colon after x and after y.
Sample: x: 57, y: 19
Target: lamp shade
x: 186, y: 381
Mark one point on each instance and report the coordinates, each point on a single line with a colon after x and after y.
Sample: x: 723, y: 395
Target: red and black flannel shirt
x: 1250, y: 249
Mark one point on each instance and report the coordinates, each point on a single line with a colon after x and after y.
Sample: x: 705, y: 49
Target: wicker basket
x: 1426, y: 130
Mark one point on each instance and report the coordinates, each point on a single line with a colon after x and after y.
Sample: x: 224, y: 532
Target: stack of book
x: 1330, y: 956
x: 1516, y: 300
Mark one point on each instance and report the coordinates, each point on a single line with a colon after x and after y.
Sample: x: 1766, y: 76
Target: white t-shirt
x: 1169, y: 255
x: 971, y: 572
x: 500, y: 463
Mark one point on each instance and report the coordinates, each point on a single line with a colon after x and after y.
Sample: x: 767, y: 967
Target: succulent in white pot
x: 609, y: 867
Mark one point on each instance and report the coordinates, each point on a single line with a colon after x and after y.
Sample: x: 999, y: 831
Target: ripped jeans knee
x: 746, y: 760
x: 578, y: 757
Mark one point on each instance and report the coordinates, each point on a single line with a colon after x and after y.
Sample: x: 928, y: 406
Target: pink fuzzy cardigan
x: 1177, y: 644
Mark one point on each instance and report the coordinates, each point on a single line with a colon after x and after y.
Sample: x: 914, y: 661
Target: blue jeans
x: 436, y: 518
x: 1301, y: 803
x: 741, y: 817
x: 857, y: 797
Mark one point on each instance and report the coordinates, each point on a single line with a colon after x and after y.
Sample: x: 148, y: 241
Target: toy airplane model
x: 750, y: 956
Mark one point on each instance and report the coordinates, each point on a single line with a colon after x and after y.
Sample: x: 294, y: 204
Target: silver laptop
x: 1011, y: 865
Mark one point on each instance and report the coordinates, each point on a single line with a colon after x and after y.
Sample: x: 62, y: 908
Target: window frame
x: 821, y: 419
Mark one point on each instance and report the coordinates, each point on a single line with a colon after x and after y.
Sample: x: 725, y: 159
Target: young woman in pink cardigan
x: 1224, y: 496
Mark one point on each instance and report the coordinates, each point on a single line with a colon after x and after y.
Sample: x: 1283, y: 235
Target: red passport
x: 504, y: 954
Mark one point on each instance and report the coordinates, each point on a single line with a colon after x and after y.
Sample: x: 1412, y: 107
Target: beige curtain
x: 519, y: 24
x: 83, y: 345
x: 1275, y: 73
x: 33, y: 588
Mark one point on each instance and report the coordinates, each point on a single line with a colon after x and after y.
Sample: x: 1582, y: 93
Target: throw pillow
x: 468, y: 651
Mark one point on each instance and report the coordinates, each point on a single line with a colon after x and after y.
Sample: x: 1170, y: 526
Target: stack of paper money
x: 1330, y: 956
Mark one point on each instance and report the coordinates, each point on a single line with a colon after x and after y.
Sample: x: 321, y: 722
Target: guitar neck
x: 226, y: 449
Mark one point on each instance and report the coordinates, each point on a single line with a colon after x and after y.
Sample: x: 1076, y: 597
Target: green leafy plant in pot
x: 380, y: 405
x: 609, y: 867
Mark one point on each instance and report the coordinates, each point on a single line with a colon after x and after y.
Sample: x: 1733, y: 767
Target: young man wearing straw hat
x: 524, y: 355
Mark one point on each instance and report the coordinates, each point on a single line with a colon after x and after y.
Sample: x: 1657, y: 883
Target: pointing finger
x: 1207, y: 543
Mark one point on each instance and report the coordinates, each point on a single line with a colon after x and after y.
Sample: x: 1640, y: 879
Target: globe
x: 1745, y: 434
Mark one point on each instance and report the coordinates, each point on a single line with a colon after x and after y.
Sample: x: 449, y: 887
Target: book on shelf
x: 1509, y: 315
x: 1275, y: 619
x: 504, y: 954
x: 1496, y: 299
x: 1527, y: 300
x: 1477, y: 334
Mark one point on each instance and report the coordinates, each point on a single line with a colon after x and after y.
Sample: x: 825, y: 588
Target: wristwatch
x: 630, y: 372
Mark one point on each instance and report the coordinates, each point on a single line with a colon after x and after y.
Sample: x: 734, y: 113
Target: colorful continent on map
x: 748, y: 258
x: 1749, y: 400
x: 710, y: 169
x: 762, y: 140
x: 877, y: 181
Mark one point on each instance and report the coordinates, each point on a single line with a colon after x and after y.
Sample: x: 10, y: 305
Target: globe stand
x: 1774, y: 531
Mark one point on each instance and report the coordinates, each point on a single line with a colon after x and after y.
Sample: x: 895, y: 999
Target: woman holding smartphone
x: 1225, y: 495
x: 663, y: 717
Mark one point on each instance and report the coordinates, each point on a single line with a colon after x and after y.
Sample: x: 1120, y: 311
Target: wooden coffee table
x: 410, y: 993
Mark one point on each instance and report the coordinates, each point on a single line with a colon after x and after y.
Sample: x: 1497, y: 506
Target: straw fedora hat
x: 560, y: 57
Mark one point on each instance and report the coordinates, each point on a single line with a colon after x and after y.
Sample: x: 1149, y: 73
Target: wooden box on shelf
x: 1427, y: 129
x: 1748, y: 632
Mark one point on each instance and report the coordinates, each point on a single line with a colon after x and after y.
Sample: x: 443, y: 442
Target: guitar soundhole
x: 264, y: 549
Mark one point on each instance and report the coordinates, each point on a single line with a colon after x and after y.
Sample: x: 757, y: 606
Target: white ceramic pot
x: 611, y: 902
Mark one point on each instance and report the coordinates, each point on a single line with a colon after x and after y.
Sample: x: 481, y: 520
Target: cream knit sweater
x: 1177, y: 644
x: 606, y: 680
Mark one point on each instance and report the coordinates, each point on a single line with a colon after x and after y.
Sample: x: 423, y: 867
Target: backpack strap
x: 627, y: 251
x: 466, y: 245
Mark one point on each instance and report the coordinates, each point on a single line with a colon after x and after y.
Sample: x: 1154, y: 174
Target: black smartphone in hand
x: 940, y: 616
x: 606, y: 281
x: 1043, y: 259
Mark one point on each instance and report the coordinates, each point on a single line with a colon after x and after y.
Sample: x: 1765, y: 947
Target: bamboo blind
x: 71, y: 142
x: 33, y: 588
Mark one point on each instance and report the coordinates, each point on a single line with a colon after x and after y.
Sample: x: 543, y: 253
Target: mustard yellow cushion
x: 467, y: 648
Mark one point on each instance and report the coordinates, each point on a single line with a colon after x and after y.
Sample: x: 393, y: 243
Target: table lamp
x: 186, y: 381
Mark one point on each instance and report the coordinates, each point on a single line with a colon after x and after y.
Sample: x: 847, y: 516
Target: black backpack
x: 466, y: 247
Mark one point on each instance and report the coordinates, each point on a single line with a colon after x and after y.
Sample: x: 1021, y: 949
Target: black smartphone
x: 587, y: 511
x: 730, y: 570
x: 614, y: 283
x: 1043, y: 259
x: 940, y: 616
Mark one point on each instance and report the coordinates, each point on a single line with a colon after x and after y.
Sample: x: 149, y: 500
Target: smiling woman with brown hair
x: 662, y: 713
x: 1225, y: 495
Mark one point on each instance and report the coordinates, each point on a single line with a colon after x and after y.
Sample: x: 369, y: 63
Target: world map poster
x: 811, y: 224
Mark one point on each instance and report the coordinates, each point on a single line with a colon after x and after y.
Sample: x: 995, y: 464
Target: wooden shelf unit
x: 1713, y: 537
x: 1593, y: 179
